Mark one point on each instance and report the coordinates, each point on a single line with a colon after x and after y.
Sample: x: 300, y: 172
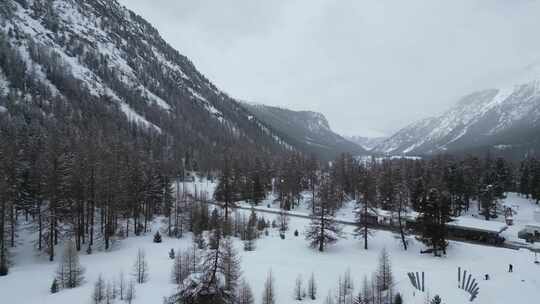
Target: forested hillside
x: 309, y: 131
x: 97, y: 116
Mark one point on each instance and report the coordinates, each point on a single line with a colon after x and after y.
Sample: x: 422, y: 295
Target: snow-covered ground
x: 31, y: 276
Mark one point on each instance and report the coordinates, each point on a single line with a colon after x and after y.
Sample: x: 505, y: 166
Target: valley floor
x: 31, y: 276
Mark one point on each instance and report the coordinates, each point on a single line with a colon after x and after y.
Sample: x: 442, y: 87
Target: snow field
x: 31, y: 276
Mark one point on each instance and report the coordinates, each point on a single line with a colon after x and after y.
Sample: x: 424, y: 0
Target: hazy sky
x: 371, y: 66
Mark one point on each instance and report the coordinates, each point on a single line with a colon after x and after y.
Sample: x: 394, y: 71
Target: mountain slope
x: 309, y: 131
x: 506, y: 119
x: 98, y: 52
x: 368, y: 143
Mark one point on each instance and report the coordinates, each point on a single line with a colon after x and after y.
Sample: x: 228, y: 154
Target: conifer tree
x: 323, y: 228
x: 433, y: 218
x: 365, y: 205
x: 54, y: 286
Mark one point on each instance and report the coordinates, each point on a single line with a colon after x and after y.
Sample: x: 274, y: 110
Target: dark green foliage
x: 54, y: 286
x: 436, y: 300
x: 398, y: 299
x: 157, y: 237
x: 434, y: 216
x: 4, y: 270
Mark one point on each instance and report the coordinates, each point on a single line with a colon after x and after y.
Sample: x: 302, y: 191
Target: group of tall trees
x: 437, y: 188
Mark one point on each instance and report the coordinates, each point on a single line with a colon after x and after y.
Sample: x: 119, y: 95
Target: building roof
x: 478, y: 225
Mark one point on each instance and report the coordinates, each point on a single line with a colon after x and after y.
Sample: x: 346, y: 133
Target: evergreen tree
x: 323, y: 229
x: 365, y: 205
x: 226, y: 190
x: 435, y: 214
x: 54, y: 286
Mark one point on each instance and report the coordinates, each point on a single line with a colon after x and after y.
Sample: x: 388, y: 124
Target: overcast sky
x: 371, y: 66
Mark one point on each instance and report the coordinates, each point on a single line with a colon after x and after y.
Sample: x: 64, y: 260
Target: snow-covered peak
x: 476, y: 119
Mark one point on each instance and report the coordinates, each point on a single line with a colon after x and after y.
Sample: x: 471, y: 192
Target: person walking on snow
x: 510, y: 268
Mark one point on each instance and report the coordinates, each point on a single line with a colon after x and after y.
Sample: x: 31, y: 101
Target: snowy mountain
x: 497, y: 119
x: 98, y: 53
x: 367, y: 143
x: 309, y: 131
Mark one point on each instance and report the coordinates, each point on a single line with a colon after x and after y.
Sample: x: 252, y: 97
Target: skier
x: 510, y: 268
x: 487, y: 277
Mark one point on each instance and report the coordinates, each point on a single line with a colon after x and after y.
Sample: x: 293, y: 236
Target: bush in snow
x: 54, y: 286
x: 398, y: 299
x: 157, y: 237
x: 436, y: 300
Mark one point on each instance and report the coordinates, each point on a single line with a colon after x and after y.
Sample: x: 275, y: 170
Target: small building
x: 477, y: 230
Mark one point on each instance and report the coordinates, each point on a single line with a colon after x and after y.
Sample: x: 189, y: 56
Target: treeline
x: 437, y: 189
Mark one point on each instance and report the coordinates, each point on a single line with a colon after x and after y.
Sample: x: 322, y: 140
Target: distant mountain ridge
x: 307, y: 130
x: 367, y: 143
x: 495, y: 119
